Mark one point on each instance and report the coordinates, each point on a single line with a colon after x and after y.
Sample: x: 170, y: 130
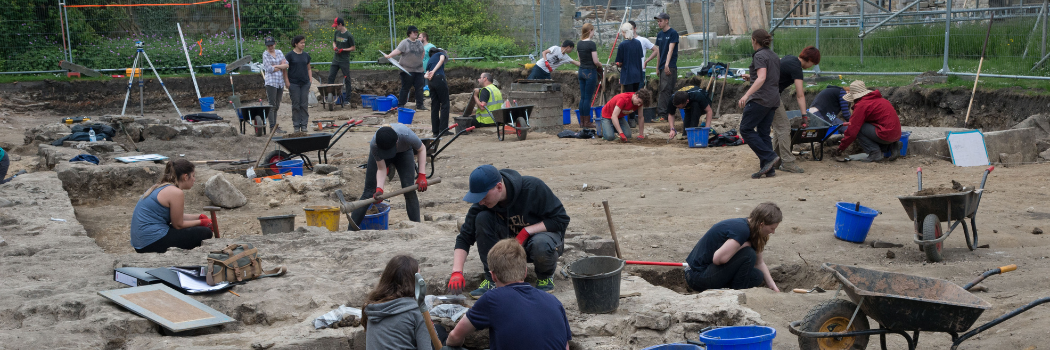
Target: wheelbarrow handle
x: 995, y: 271
x: 453, y: 126
x: 919, y: 172
x: 985, y: 178
x: 469, y: 129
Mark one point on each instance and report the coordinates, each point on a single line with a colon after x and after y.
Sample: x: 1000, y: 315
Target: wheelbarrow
x: 899, y: 303
x: 298, y: 146
x: 516, y: 118
x: 815, y: 133
x: 432, y: 144
x: 330, y: 93
x: 927, y: 212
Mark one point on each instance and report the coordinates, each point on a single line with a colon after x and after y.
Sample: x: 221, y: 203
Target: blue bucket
x: 405, y: 115
x: 367, y: 100
x: 566, y: 116
x: 394, y: 99
x: 739, y: 338
x: 294, y: 166
x: 852, y: 225
x: 904, y: 144
x: 674, y: 347
x: 383, y: 104
x: 378, y: 221
x: 207, y: 104
x: 596, y: 114
x: 697, y: 137
x: 218, y: 68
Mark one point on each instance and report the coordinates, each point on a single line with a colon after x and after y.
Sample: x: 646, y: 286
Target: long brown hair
x: 587, y: 31
x: 767, y: 213
x: 172, y: 172
x: 397, y: 281
x: 762, y: 37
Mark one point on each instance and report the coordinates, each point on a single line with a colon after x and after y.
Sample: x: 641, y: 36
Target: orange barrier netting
x: 136, y: 5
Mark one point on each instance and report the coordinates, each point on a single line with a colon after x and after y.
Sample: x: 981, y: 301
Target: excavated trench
x: 918, y: 106
x: 787, y: 277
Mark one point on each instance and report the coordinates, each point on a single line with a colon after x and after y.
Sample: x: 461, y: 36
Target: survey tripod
x: 140, y: 51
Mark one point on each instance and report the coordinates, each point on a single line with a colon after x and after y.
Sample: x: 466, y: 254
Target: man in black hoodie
x: 507, y: 204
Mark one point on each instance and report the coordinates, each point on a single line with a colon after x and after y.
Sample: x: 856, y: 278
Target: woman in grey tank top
x: 159, y: 221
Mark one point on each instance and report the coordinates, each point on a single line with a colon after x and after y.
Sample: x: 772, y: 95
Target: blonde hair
x: 507, y: 261
x: 767, y: 213
x: 627, y: 30
x: 587, y: 31
x: 172, y: 172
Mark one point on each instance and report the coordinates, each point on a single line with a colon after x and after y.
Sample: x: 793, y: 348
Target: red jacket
x: 875, y: 110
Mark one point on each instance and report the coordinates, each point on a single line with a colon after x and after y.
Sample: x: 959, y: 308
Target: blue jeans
x: 609, y: 131
x: 537, y: 73
x: 588, y: 84
x: 754, y: 129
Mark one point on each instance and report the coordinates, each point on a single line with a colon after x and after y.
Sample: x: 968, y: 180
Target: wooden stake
x: 718, y: 113
x: 612, y: 229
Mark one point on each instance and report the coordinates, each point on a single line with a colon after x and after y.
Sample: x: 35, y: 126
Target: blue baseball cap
x: 482, y: 179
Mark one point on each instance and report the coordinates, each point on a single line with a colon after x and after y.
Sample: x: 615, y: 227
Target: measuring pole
x: 816, y: 68
x: 189, y: 64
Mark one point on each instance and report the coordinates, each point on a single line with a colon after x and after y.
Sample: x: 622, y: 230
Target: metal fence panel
x: 31, y: 37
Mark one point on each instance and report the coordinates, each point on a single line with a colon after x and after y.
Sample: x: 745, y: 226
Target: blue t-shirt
x: 664, y: 41
x: 434, y: 62
x: 629, y: 55
x: 519, y: 316
x: 704, y: 251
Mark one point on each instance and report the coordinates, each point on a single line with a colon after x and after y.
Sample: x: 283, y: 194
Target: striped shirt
x: 273, y: 77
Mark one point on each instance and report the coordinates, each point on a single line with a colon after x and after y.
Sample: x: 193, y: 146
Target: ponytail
x: 173, y: 170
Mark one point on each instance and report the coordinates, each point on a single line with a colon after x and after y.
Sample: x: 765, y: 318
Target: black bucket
x: 462, y: 123
x: 596, y: 280
x: 277, y: 224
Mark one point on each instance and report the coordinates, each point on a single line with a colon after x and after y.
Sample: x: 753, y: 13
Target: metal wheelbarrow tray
x: 329, y: 94
x: 900, y: 303
x: 517, y: 117
x: 298, y: 146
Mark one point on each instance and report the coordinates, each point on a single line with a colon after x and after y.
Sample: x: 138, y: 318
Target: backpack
x: 101, y: 130
x: 201, y: 117
x: 237, y: 262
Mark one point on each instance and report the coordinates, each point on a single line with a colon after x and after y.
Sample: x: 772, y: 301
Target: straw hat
x: 856, y: 90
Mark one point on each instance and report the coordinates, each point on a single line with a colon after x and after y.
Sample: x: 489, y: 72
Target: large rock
x: 46, y: 133
x: 161, y: 132
x: 50, y: 156
x: 223, y: 194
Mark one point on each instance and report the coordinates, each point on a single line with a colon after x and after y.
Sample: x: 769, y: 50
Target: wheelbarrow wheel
x: 331, y: 101
x: 833, y: 316
x: 931, y: 230
x: 522, y: 133
x: 272, y: 159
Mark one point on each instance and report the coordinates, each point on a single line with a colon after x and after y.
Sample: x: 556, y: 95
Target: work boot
x: 791, y: 167
x: 545, y: 284
x: 874, y: 157
x: 485, y: 286
x: 895, y: 151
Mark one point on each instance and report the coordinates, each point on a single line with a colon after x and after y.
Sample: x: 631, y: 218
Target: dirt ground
x: 663, y: 197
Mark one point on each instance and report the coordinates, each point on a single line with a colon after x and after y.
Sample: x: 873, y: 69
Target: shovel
x: 251, y: 171
x: 421, y: 293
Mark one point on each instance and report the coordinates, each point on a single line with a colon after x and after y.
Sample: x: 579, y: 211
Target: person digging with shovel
x: 509, y: 205
x: 394, y: 145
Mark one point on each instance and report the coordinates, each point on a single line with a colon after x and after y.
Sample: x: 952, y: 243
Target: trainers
x: 545, y: 284
x: 485, y: 286
x: 874, y: 157
x: 895, y: 152
x: 770, y: 166
x: 791, y: 167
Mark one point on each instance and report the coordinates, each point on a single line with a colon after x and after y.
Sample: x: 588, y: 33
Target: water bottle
x: 91, y: 135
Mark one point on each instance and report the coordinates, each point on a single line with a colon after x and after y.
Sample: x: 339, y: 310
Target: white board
x: 394, y: 62
x: 968, y: 148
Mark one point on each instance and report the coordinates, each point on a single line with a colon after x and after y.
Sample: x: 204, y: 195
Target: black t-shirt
x: 829, y: 101
x: 698, y: 100
x: 483, y: 95
x: 790, y: 69
x: 298, y: 67
x: 343, y: 41
x: 704, y: 252
x: 585, y: 47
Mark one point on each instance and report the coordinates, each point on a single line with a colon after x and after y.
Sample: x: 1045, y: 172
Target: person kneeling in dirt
x: 614, y: 114
x: 695, y: 101
x: 394, y: 145
x: 391, y: 314
x: 874, y: 124
x: 730, y: 253
x: 158, y: 222
x: 517, y: 315
x: 509, y: 205
x: 486, y: 100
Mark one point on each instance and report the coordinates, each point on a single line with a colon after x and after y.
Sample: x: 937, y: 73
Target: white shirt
x: 555, y: 58
x: 646, y: 46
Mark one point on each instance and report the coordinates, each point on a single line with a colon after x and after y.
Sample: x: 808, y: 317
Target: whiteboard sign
x: 968, y: 148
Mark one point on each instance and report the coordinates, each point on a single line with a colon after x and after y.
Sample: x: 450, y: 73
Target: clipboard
x: 162, y: 305
x: 394, y: 62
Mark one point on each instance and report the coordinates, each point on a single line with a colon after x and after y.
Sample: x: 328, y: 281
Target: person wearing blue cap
x: 509, y: 205
x: 395, y: 146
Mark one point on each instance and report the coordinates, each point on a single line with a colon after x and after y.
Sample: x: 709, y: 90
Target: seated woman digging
x: 158, y: 222
x: 391, y: 316
x: 730, y: 253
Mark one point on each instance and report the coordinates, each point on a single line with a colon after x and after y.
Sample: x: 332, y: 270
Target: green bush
x: 487, y: 46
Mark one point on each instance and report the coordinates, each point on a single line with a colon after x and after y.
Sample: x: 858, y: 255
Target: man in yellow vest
x: 487, y: 99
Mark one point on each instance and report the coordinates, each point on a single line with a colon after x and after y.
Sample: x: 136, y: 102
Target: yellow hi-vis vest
x: 494, y: 102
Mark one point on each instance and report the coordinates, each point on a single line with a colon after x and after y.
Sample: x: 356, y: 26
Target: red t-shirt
x: 623, y: 101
